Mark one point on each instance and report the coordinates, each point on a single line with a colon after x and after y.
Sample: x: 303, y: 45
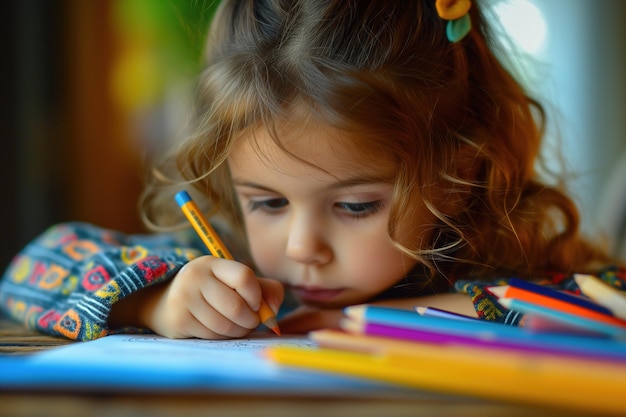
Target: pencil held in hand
x: 217, y: 248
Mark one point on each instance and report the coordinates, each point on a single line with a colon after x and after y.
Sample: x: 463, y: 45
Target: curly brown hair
x: 464, y: 134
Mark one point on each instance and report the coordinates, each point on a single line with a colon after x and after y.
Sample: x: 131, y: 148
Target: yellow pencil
x: 572, y: 383
x: 217, y: 248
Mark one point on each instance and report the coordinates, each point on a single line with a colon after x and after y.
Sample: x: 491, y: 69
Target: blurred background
x: 91, y: 88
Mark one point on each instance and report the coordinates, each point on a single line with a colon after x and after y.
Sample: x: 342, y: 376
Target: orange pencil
x: 507, y: 291
x: 217, y: 248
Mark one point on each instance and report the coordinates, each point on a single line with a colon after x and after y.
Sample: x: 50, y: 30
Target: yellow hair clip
x: 456, y: 13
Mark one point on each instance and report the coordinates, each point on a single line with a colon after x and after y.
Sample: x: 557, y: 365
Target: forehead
x: 306, y: 146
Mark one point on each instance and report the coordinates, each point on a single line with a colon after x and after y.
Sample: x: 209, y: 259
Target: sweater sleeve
x: 65, y: 281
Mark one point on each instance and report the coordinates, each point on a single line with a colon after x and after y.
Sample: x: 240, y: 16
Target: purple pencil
x: 477, y: 339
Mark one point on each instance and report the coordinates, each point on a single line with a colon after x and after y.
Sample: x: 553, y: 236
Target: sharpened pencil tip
x: 272, y: 324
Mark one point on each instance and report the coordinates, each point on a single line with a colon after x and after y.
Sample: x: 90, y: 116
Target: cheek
x: 414, y: 231
x: 265, y: 250
x: 377, y: 266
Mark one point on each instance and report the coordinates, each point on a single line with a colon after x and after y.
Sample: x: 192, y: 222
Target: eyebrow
x: 349, y: 182
x: 251, y: 185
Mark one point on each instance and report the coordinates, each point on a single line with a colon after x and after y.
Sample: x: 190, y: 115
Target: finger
x: 209, y: 324
x: 215, y: 323
x: 187, y: 307
x: 193, y: 317
x: 241, y: 279
x: 196, y: 328
x: 184, y: 325
x: 224, y: 304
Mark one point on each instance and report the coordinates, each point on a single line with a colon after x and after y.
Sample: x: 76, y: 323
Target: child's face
x: 322, y: 232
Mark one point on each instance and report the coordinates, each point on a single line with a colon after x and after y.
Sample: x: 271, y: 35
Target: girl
x: 353, y: 152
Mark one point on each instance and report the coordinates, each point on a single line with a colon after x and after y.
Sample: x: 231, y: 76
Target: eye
x: 358, y: 210
x: 270, y: 205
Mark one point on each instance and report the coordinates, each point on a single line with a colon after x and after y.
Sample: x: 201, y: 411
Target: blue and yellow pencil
x: 217, y: 248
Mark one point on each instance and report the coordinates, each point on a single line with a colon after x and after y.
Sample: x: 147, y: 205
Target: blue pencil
x: 563, y: 317
x: 406, y: 318
x: 559, y: 295
x: 485, y: 330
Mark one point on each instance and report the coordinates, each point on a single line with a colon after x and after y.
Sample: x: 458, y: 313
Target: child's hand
x: 210, y: 298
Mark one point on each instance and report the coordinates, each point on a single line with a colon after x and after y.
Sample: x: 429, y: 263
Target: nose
x: 306, y: 242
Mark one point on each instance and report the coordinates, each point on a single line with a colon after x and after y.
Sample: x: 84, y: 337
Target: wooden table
x: 15, y: 340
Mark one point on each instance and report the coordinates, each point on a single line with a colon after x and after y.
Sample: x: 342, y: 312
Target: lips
x: 316, y: 294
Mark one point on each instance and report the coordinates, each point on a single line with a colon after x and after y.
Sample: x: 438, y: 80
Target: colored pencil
x: 530, y: 343
x: 602, y: 293
x: 436, y: 312
x: 507, y: 291
x: 561, y: 316
x: 485, y: 331
x: 540, y: 324
x: 217, y: 248
x: 407, y: 318
x: 587, y: 385
x: 559, y: 295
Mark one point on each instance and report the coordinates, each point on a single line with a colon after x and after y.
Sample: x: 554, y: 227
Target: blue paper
x: 153, y: 363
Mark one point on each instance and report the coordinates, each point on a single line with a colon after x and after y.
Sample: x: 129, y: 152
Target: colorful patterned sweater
x: 65, y: 281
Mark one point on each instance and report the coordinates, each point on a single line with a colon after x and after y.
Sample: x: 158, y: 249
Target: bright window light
x: 524, y: 23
